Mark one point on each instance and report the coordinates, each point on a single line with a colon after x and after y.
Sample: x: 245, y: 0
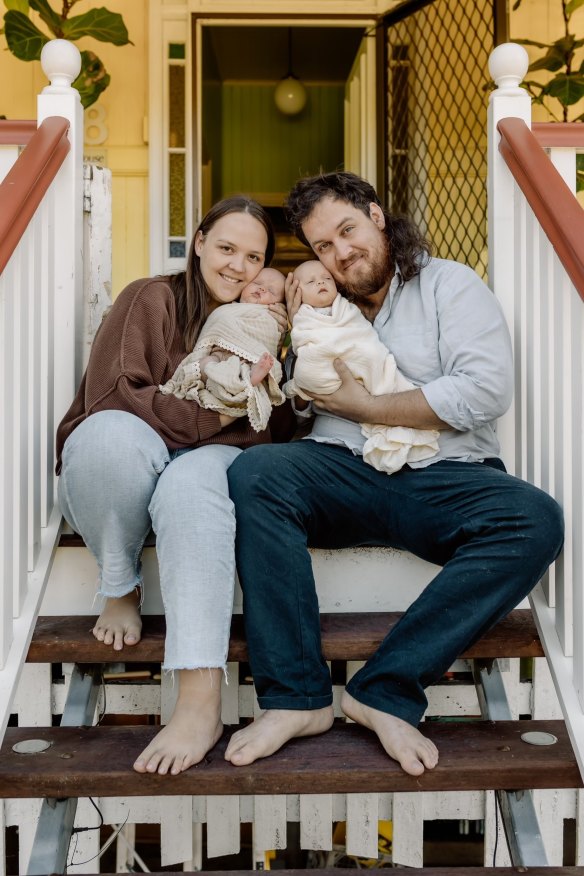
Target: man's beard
x: 374, y: 275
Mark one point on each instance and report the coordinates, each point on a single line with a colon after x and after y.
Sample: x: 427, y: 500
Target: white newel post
x: 61, y: 63
x: 508, y: 65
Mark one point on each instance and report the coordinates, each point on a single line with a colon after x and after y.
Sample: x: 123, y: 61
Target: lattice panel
x: 437, y: 105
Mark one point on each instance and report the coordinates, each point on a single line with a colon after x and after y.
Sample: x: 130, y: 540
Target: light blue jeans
x: 118, y: 481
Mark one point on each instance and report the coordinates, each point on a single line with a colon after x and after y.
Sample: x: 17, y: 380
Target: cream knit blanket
x: 318, y: 338
x: 247, y: 331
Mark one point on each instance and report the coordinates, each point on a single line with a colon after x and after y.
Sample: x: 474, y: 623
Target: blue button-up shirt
x: 449, y: 337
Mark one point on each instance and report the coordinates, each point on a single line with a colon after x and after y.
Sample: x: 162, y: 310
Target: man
x: 493, y: 535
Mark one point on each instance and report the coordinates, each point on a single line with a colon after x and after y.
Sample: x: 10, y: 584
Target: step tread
x: 383, y: 871
x: 474, y: 755
x: 346, y: 636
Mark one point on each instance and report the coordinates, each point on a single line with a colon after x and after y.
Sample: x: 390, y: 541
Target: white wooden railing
x: 40, y: 346
x: 536, y: 253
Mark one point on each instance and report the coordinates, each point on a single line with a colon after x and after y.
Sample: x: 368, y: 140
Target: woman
x: 131, y: 459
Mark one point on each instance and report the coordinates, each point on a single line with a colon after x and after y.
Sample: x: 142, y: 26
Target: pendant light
x: 290, y: 93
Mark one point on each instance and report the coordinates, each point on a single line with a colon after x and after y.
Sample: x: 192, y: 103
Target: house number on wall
x: 96, y: 130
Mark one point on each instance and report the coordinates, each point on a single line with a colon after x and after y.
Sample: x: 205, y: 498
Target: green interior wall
x: 264, y: 151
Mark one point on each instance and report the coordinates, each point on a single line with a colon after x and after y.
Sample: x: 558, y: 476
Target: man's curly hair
x: 408, y: 247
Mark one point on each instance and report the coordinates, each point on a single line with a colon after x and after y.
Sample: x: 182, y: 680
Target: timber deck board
x: 474, y: 755
x: 347, y: 636
x: 383, y: 871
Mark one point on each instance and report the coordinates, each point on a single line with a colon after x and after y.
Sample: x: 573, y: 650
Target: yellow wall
x: 125, y: 103
x: 541, y: 20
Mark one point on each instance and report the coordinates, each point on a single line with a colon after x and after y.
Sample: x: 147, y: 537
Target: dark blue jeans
x: 493, y: 534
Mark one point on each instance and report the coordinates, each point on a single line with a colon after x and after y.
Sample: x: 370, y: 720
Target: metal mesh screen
x: 437, y: 148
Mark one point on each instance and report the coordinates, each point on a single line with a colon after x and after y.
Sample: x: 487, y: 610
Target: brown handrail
x: 557, y: 210
x: 14, y: 132
x: 28, y: 179
x: 558, y: 133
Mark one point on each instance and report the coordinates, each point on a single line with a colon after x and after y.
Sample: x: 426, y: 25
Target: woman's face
x: 232, y: 253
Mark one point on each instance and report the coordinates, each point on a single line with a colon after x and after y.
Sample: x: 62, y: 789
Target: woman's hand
x: 293, y: 296
x: 224, y: 420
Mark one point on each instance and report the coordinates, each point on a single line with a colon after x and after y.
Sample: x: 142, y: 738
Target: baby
x: 233, y: 368
x: 327, y: 327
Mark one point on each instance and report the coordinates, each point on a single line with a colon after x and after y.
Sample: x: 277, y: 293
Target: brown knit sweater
x: 138, y: 347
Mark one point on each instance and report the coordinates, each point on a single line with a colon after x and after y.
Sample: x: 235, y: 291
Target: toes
x: 130, y: 638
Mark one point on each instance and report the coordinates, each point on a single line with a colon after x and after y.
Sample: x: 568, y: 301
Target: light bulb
x: 290, y: 96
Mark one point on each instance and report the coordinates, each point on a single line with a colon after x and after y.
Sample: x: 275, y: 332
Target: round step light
x: 31, y: 746
x: 538, y: 737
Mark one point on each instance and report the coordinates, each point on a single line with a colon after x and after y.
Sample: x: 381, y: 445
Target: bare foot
x: 272, y: 729
x: 402, y: 742
x: 261, y: 368
x: 119, y: 623
x: 194, y: 728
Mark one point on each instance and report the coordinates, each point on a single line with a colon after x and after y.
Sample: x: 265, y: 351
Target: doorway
x: 245, y: 143
x: 210, y: 73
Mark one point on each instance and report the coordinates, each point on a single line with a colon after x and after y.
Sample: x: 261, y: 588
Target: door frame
x: 182, y: 24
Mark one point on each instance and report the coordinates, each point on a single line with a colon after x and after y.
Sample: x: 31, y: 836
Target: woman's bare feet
x: 194, y: 728
x: 272, y: 729
x: 120, y: 623
x: 261, y: 368
x: 402, y: 742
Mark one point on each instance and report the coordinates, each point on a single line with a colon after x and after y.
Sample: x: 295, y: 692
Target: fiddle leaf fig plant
x: 25, y: 39
x: 567, y: 85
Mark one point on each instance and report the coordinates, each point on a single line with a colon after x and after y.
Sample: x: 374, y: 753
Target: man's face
x: 351, y: 245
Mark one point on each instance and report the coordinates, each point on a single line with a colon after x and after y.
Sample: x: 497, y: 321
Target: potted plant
x: 25, y: 40
x: 566, y: 86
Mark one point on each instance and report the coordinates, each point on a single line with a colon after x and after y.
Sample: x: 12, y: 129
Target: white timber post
x: 508, y: 65
x: 61, y: 63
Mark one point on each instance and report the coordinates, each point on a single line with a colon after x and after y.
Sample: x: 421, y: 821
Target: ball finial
x: 508, y: 65
x: 61, y: 63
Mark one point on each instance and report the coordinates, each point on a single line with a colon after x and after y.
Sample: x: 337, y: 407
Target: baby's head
x: 316, y: 284
x: 267, y: 288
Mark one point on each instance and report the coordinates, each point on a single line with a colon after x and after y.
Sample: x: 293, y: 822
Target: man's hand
x: 353, y: 402
x: 293, y: 296
x: 350, y: 401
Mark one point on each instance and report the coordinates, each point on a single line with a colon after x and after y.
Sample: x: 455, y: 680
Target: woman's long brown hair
x: 189, y: 288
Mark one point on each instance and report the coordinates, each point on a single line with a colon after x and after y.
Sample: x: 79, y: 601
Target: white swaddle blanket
x: 247, y: 331
x: 320, y: 337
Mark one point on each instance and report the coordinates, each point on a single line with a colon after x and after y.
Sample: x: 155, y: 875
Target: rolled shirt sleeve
x: 475, y: 353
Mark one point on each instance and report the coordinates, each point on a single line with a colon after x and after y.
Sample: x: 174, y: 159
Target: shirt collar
x: 385, y: 310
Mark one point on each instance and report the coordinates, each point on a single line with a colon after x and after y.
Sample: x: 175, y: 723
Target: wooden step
x: 347, y: 636
x: 474, y: 755
x: 383, y: 871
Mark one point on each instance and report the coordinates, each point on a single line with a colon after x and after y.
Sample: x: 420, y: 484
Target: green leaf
x: 24, y: 38
x: 554, y: 60
x: 579, y: 173
x: 101, y: 24
x: 92, y: 80
x: 567, y: 88
x: 572, y: 6
x: 48, y: 15
x: 19, y: 5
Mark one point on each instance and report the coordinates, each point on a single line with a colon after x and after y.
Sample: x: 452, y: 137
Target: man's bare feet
x: 272, y: 729
x: 261, y: 368
x: 402, y: 742
x: 119, y: 623
x: 194, y: 728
